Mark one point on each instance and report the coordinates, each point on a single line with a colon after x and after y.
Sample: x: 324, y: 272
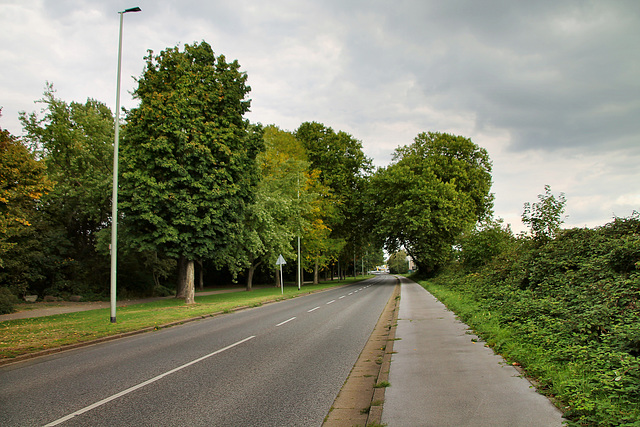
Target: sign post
x: 281, y: 262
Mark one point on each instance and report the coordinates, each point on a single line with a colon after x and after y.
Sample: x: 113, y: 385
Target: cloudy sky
x: 550, y: 88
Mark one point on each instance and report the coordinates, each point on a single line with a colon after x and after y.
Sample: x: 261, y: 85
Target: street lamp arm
x: 133, y: 9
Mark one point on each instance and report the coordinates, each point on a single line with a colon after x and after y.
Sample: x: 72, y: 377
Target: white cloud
x: 550, y: 89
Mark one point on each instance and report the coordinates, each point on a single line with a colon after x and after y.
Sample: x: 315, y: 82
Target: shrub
x: 567, y: 308
x: 7, y: 301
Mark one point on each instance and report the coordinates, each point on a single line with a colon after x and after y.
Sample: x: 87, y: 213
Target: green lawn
x: 24, y: 336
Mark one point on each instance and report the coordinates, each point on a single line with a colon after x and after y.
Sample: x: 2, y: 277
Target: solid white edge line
x: 286, y: 321
x: 313, y: 309
x: 145, y: 383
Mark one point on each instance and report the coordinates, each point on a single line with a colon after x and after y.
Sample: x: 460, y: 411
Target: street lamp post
x: 299, y: 276
x: 114, y: 198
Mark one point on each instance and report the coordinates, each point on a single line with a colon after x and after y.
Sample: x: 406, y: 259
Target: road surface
x: 277, y: 365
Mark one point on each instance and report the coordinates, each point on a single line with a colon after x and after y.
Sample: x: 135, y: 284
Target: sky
x: 551, y: 89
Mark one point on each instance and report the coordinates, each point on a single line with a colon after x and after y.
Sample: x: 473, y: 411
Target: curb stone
x: 359, y: 403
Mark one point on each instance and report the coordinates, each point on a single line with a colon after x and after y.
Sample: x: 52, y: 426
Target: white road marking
x: 313, y: 309
x: 286, y: 321
x: 136, y: 387
x: 350, y: 293
x: 332, y: 301
x: 342, y: 296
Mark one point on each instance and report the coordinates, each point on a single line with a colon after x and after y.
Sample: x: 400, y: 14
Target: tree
x: 189, y: 158
x: 435, y: 189
x: 22, y: 183
x: 275, y: 217
x: 342, y: 167
x: 545, y: 217
x: 320, y: 249
x: 398, y: 263
x: 75, y: 142
x: 487, y: 240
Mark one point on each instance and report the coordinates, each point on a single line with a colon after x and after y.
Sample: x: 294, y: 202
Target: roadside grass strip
x: 25, y: 336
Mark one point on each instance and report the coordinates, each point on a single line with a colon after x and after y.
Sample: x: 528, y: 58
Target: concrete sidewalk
x: 440, y: 377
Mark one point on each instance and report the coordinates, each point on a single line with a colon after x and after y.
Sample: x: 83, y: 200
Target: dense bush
x: 567, y: 309
x: 7, y: 301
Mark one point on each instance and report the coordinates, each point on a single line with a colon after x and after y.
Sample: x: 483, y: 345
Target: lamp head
x: 133, y: 9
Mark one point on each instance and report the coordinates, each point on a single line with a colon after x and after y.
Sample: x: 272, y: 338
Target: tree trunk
x: 278, y: 277
x: 181, y: 289
x: 186, y: 287
x: 200, y: 275
x: 315, y: 272
x: 250, y: 272
x: 190, y: 297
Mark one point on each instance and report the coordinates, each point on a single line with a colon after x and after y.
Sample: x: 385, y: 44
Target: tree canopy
x: 199, y: 183
x: 342, y: 166
x: 274, y: 217
x: 22, y: 183
x: 75, y: 143
x: 188, y: 156
x: 435, y: 189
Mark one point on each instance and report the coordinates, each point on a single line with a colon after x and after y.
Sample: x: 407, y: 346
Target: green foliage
x: 22, y: 183
x: 338, y: 156
x: 57, y: 253
x: 76, y: 143
x: 545, y: 217
x: 340, y: 165
x: 398, y: 263
x: 188, y: 156
x: 275, y: 216
x: 7, y: 301
x: 479, y: 246
x: 567, y: 309
x: 436, y: 189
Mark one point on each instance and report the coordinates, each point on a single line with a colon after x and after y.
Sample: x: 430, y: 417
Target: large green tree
x: 398, y: 263
x: 188, y: 158
x: 275, y: 217
x: 343, y: 167
x: 435, y: 189
x: 320, y: 248
x: 75, y: 142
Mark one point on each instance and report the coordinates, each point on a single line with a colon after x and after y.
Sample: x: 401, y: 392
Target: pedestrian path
x: 440, y: 377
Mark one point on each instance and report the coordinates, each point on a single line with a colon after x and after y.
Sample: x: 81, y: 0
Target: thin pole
x: 299, y: 270
x: 114, y: 196
x: 299, y: 275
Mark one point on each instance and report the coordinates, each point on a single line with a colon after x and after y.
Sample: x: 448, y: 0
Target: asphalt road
x: 278, y: 365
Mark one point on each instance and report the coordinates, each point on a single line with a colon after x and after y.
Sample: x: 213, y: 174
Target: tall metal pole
x: 299, y: 275
x: 299, y: 270
x: 114, y: 196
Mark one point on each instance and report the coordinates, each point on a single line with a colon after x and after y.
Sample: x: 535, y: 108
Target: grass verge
x: 564, y: 382
x: 24, y: 336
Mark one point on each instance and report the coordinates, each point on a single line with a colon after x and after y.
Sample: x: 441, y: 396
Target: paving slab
x: 440, y: 377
